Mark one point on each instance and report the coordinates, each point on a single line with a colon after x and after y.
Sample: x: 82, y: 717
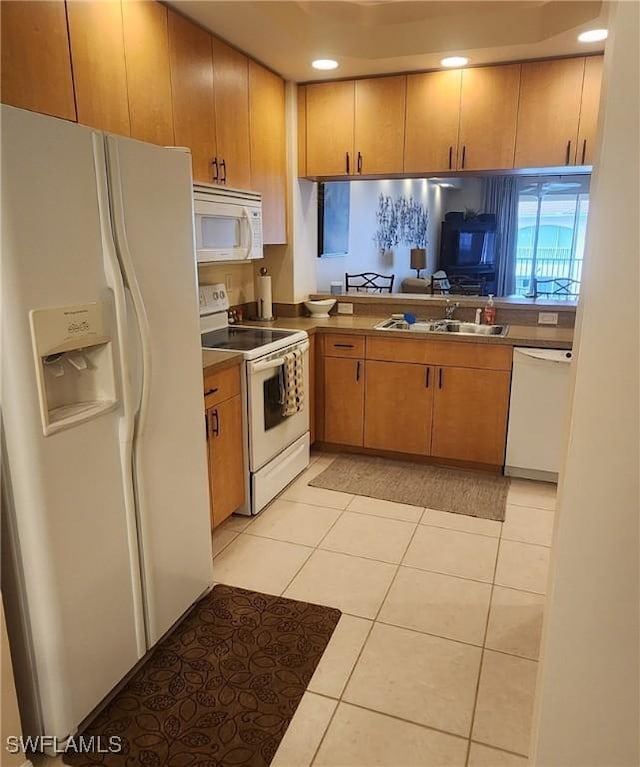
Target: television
x: 467, y: 241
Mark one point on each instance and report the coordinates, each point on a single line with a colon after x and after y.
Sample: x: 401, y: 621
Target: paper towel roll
x: 265, y: 302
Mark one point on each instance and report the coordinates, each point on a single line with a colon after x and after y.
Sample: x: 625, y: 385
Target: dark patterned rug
x: 221, y: 689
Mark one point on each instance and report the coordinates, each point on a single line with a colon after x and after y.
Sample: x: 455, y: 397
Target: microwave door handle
x: 250, y: 231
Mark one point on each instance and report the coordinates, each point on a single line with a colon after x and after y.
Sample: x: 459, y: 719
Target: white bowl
x: 320, y: 309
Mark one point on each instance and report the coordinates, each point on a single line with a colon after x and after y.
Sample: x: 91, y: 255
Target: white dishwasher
x: 538, y: 413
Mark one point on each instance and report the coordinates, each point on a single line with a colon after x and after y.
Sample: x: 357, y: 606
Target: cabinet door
x: 231, y: 89
x: 470, y: 414
x: 36, y: 65
x: 330, y: 122
x: 226, y: 458
x: 268, y: 164
x: 433, y: 112
x: 398, y: 405
x: 344, y: 400
x: 146, y: 48
x: 548, y: 113
x: 192, y: 93
x: 99, y: 73
x: 488, y: 116
x: 379, y: 125
x: 589, y: 110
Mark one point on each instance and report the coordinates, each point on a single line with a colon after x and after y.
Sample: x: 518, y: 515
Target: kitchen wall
x: 588, y: 683
x: 364, y: 254
x: 466, y: 193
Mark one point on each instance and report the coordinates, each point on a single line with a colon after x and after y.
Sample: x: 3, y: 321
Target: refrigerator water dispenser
x: 74, y: 364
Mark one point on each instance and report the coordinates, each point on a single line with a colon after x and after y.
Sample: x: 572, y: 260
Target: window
x: 552, y: 220
x: 333, y: 218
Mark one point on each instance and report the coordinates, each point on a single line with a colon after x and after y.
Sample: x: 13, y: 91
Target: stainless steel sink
x: 444, y: 327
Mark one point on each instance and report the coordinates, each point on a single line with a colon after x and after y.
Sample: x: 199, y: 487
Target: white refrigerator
x: 104, y: 485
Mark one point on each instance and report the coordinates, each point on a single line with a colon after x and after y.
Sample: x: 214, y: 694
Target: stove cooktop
x: 242, y: 339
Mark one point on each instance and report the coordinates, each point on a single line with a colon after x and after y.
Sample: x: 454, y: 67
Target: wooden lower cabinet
x: 470, y: 414
x: 344, y: 400
x: 398, y: 407
x: 226, y: 458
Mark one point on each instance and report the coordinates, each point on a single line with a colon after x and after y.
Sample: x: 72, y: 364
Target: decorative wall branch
x: 401, y: 221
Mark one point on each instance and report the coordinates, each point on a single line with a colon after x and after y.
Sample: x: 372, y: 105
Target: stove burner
x: 242, y: 339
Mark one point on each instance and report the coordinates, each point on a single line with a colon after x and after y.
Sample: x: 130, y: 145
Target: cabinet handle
x: 440, y: 378
x: 347, y: 164
x: 568, y: 152
x: 223, y: 165
x: 214, y: 165
x: 464, y: 154
x: 450, y: 157
x: 427, y: 378
x: 215, y: 429
x: 206, y: 425
x: 584, y: 151
x: 359, y: 162
x: 358, y: 370
x: 211, y: 391
x: 343, y: 346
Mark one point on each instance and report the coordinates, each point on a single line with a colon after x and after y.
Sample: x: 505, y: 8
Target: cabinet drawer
x: 219, y: 387
x: 343, y: 345
x: 428, y: 352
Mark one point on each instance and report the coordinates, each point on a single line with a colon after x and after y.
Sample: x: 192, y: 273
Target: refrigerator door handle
x: 127, y: 422
x: 129, y: 274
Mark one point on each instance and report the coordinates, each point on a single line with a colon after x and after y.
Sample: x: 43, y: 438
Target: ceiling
x: 371, y: 37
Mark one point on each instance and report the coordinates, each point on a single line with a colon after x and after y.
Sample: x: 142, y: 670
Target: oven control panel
x: 213, y: 298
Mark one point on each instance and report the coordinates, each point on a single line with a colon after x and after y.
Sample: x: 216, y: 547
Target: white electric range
x: 277, y: 446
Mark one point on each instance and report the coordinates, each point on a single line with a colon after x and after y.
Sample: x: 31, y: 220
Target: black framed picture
x: 333, y: 218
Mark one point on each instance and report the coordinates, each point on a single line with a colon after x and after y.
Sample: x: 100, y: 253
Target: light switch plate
x: 547, y: 318
x: 345, y: 308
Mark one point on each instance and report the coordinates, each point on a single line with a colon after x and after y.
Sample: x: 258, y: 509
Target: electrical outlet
x: 547, y: 318
x: 345, y: 308
x: 228, y: 279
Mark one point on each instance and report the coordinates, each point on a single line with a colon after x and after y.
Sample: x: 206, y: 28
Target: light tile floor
x: 434, y: 659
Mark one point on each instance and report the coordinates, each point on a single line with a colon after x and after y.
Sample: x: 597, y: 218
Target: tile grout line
x: 364, y: 644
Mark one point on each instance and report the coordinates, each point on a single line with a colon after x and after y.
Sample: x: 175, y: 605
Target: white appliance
x: 277, y: 446
x: 538, y: 413
x: 108, y: 537
x: 228, y: 224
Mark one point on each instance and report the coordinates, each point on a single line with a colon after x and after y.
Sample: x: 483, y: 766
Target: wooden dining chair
x: 369, y: 282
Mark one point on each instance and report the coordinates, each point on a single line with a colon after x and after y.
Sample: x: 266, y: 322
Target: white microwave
x: 228, y: 224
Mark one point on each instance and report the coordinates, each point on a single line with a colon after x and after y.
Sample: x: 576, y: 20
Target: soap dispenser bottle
x: 490, y: 312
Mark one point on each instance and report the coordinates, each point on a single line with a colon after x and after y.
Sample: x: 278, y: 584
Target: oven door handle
x: 259, y: 367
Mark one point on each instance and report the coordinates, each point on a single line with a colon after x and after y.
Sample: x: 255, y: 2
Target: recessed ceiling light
x: 454, y: 61
x: 593, y: 36
x: 324, y: 64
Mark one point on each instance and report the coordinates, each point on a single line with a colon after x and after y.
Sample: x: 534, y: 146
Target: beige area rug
x: 464, y: 492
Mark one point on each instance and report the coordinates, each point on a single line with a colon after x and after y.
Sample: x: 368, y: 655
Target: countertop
x: 517, y: 335
x: 216, y: 361
x: 426, y: 299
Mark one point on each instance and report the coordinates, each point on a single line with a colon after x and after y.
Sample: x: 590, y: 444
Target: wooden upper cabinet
x: 548, y: 113
x: 330, y: 125
x: 302, y: 130
x: 470, y: 414
x: 488, y: 116
x: 191, y: 60
x: 99, y: 72
x: 379, y: 124
x: 146, y: 47
x: 433, y: 115
x: 231, y: 90
x: 36, y: 65
x: 398, y: 407
x: 587, y: 131
x: 268, y: 162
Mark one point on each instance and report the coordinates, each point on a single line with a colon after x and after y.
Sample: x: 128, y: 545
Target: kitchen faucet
x: 450, y: 309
